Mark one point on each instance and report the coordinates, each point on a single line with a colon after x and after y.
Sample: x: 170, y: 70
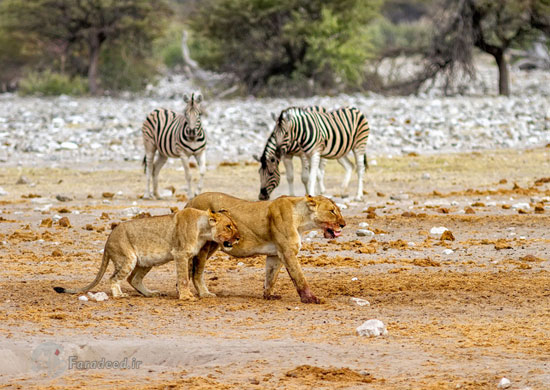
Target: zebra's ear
x: 286, y: 116
x: 274, y: 116
x: 198, y: 98
x: 256, y: 157
x: 186, y: 98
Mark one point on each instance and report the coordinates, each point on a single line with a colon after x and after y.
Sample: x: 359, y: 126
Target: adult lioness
x: 271, y: 228
x: 138, y: 245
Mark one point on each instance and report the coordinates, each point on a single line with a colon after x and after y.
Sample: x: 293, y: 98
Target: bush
x: 50, y: 84
x: 262, y: 41
x: 124, y: 69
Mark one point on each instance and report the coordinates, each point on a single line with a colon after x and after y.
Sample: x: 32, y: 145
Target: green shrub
x: 50, y: 84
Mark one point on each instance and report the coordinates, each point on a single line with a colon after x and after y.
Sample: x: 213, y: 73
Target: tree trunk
x: 92, y: 69
x: 503, y: 74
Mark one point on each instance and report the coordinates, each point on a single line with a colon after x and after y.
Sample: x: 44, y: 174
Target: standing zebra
x: 269, y: 169
x: 174, y: 135
x: 330, y: 135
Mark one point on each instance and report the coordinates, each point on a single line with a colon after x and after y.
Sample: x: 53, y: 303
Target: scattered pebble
x: 2, y: 192
x: 372, y: 328
x: 83, y: 298
x: 63, y: 198
x: 399, y: 197
x: 98, y: 297
x: 240, y: 264
x: 426, y: 176
x: 437, y: 231
x: 363, y: 224
x: 521, y: 206
x: 354, y: 279
x: 360, y: 302
x: 364, y: 233
x: 448, y: 252
x: 312, y: 234
x: 504, y: 383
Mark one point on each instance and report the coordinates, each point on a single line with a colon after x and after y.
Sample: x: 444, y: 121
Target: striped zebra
x: 329, y: 135
x: 269, y: 169
x: 174, y: 135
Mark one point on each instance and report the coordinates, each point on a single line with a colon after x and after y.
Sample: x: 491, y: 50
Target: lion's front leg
x: 182, y: 259
x: 290, y: 260
x: 199, y: 262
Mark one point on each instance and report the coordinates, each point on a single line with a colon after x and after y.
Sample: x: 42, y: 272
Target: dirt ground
x: 456, y: 320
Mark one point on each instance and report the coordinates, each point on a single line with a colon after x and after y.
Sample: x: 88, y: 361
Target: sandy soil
x: 459, y: 320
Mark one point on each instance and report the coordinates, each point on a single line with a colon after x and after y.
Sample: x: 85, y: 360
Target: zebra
x: 269, y: 168
x: 330, y: 135
x: 174, y: 135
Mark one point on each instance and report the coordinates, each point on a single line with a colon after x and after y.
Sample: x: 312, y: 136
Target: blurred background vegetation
x: 262, y: 47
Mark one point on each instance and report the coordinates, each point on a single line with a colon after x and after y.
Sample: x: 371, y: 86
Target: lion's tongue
x: 337, y: 233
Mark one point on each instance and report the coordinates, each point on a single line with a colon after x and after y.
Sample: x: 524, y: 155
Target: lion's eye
x: 333, y: 212
x: 229, y: 227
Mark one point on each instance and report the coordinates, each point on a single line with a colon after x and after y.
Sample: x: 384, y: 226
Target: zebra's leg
x: 150, y: 151
x: 348, y: 166
x: 201, y: 162
x: 360, y: 158
x: 188, y: 177
x: 159, y: 163
x: 313, y: 169
x: 305, y: 170
x: 321, y: 176
x: 289, y: 167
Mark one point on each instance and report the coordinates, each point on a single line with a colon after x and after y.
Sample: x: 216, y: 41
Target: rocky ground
x: 69, y: 132
x: 463, y: 308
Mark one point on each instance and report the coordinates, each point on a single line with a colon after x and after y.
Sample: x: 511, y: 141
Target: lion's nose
x: 227, y: 244
x: 342, y: 224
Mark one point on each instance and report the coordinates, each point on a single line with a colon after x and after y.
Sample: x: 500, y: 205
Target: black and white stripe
x: 330, y: 135
x: 174, y: 135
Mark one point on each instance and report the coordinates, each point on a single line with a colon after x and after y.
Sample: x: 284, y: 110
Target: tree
x: 491, y: 26
x: 263, y: 40
x: 81, y: 28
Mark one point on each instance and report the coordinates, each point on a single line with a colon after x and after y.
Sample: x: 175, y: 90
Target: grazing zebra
x: 269, y: 169
x: 174, y: 135
x: 330, y: 135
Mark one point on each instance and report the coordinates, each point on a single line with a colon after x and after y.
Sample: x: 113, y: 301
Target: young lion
x: 271, y: 228
x: 138, y: 245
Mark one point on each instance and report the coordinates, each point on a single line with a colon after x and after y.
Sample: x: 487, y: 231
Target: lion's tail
x: 102, y: 269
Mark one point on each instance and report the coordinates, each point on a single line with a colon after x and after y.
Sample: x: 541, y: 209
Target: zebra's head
x: 192, y: 115
x: 270, y: 176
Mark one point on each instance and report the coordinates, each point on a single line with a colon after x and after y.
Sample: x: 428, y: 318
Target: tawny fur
x: 271, y: 228
x: 136, y: 246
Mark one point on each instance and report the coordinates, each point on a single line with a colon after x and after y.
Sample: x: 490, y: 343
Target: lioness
x: 271, y: 228
x: 138, y: 245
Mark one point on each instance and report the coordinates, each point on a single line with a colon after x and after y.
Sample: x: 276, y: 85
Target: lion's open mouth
x: 331, y: 233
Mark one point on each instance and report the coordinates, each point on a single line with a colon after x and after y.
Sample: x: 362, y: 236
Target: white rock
x: 131, y: 211
x: 521, y: 205
x: 342, y: 206
x: 68, y: 145
x: 448, y: 252
x: 2, y: 192
x: 83, y: 298
x: 44, y: 208
x: 240, y: 264
x: 437, y: 231
x: 400, y: 197
x: 364, y: 233
x: 360, y: 302
x: 354, y: 279
x: 98, y: 297
x: 56, y: 217
x: 504, y: 383
x: 363, y: 225
x: 372, y: 328
x: 426, y: 176
x: 312, y: 234
x: 411, y: 243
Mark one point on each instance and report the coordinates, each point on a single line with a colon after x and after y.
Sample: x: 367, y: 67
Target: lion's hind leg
x: 124, y: 267
x: 136, y: 281
x: 272, y: 267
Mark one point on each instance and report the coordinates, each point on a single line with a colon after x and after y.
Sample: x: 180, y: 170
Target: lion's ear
x: 311, y: 202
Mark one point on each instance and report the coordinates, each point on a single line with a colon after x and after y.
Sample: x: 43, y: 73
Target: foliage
x: 261, y: 39
x: 48, y: 83
x: 75, y: 32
